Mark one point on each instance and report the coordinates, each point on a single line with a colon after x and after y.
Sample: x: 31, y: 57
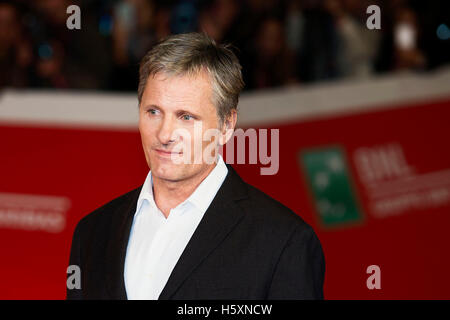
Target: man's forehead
x: 164, y: 90
x: 196, y: 75
x: 185, y: 87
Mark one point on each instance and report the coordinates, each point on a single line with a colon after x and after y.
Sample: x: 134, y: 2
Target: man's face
x: 171, y: 108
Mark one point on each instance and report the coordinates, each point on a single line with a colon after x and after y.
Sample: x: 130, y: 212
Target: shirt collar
x: 146, y: 193
x: 202, y: 196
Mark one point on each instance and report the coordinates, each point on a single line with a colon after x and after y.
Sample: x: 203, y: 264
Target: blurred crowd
x: 278, y: 42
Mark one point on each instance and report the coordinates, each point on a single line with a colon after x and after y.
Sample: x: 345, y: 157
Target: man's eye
x: 187, y: 117
x: 152, y: 111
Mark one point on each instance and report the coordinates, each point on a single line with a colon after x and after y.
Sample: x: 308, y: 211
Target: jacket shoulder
x: 106, y: 211
x: 264, y: 208
x: 271, y: 222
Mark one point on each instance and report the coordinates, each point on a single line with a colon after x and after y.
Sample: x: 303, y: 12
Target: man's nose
x: 166, y: 131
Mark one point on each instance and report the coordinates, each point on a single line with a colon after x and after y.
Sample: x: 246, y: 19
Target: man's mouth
x: 167, y: 153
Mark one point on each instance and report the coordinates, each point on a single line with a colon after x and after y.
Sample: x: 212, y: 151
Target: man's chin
x: 168, y: 171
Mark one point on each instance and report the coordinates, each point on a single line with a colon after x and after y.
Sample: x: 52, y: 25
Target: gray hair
x: 189, y: 54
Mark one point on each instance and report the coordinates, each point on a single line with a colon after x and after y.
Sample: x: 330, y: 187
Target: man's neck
x: 169, y: 194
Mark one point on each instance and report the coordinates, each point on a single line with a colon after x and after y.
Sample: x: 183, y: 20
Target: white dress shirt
x: 156, y: 243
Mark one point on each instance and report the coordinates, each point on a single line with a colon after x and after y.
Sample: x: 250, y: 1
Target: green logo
x: 329, y: 180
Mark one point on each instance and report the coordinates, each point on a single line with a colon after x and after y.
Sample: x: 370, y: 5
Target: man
x: 194, y: 230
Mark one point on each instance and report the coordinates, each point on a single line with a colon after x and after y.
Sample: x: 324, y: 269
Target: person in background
x: 357, y: 45
x: 270, y: 62
x: 407, y: 54
x: 15, y: 49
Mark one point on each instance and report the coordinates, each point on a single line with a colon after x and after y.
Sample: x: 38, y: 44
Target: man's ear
x: 228, y: 127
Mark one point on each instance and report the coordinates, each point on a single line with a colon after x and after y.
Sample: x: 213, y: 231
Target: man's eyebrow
x: 154, y: 106
x: 182, y: 111
x: 178, y: 111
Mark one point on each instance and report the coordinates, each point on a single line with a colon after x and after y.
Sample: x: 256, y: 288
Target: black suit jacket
x: 247, y: 246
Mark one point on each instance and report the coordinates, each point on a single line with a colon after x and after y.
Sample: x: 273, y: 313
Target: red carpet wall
x: 366, y: 164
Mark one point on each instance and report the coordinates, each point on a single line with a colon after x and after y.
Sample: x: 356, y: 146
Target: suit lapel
x: 117, y: 246
x: 218, y: 221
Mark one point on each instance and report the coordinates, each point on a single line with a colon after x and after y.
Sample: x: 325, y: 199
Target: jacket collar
x: 219, y: 219
x: 202, y: 196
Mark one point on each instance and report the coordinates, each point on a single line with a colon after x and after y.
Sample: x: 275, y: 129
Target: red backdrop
x: 51, y: 177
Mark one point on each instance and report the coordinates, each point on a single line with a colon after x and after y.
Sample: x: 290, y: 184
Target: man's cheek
x: 148, y: 138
